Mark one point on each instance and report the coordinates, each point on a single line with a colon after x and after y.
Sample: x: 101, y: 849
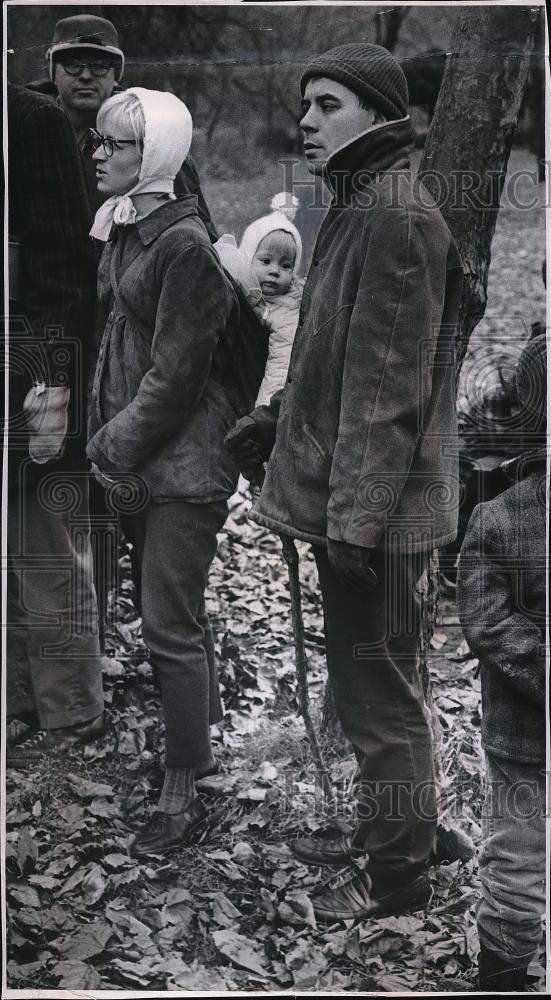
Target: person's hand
x: 245, y: 449
x: 351, y: 565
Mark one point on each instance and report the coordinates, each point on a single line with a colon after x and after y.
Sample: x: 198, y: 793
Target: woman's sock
x: 178, y: 790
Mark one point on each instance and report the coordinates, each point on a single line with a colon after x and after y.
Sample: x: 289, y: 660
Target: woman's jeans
x: 512, y: 860
x: 176, y: 543
x: 372, y: 657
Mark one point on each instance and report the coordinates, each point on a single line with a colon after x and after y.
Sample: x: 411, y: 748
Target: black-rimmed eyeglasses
x: 108, y: 142
x: 74, y: 68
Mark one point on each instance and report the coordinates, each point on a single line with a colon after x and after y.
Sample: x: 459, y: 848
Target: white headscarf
x: 167, y: 138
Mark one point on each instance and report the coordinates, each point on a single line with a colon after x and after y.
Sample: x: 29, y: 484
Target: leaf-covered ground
x: 232, y: 912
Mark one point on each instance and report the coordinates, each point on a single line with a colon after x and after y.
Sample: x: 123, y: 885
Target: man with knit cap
x: 364, y: 461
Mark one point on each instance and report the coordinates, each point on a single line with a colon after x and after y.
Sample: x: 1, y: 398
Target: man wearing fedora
x: 364, y: 459
x: 86, y: 65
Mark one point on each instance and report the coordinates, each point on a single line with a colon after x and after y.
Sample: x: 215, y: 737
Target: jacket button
x: 300, y: 322
x: 290, y: 379
x: 315, y: 261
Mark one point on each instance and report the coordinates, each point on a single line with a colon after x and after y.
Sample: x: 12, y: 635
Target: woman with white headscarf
x: 159, y: 414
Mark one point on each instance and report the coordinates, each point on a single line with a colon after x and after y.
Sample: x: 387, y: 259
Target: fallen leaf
x: 127, y: 877
x: 44, y: 881
x: 59, y: 918
x: 242, y: 851
x: 25, y: 895
x: 122, y: 918
x: 268, y: 903
x: 224, y: 913
x: 16, y: 817
x: 132, y: 743
x: 266, y: 772
x: 103, y: 809
x: 23, y: 972
x: 31, y: 919
x: 405, y: 924
x: 254, y: 793
x: 178, y: 895
x: 112, y: 667
x: 297, y: 909
x: 179, y: 913
x: 241, y: 951
x: 27, y: 852
x: 447, y: 704
x: 140, y: 973
x: 87, y: 942
x: 60, y: 866
x: 71, y: 815
x: 77, y: 976
x: 439, y: 639
x: 198, y: 977
x: 89, y: 789
x: 305, y: 964
x: 387, y: 944
x: 117, y: 861
x: 398, y: 982
x: 93, y: 885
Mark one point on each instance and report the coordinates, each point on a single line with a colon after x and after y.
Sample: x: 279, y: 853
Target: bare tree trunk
x: 464, y: 166
x: 469, y: 142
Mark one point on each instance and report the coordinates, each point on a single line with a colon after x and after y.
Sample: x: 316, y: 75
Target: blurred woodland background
x: 83, y: 915
x: 238, y: 67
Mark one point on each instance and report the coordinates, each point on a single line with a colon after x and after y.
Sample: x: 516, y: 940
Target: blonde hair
x: 125, y: 114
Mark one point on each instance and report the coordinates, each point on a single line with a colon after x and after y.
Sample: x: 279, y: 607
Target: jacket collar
x: 383, y: 148
x: 152, y: 225
x: 522, y: 465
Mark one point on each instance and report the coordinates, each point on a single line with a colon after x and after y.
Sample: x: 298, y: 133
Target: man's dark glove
x: 245, y: 449
x: 351, y: 565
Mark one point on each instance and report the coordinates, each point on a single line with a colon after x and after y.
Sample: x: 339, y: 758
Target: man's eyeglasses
x: 74, y: 68
x: 109, y: 144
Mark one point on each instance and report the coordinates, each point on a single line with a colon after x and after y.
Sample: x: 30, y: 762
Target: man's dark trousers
x: 372, y: 642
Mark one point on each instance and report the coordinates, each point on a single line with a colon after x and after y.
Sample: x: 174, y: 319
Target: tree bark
x: 467, y: 149
x: 464, y: 167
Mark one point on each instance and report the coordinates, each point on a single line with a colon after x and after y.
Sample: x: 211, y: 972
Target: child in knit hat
x: 272, y: 247
x: 266, y: 264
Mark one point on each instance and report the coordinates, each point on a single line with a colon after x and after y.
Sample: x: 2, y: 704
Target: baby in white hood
x: 266, y: 266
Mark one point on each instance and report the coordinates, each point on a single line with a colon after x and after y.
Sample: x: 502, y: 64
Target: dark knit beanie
x: 368, y: 70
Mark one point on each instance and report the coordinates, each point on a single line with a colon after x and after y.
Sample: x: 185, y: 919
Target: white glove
x: 46, y: 411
